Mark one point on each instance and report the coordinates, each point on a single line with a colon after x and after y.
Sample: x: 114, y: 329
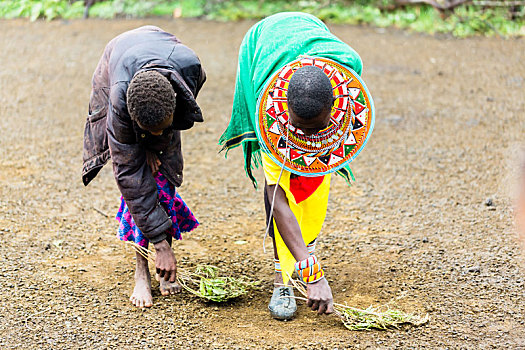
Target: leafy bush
x: 464, y: 21
x: 48, y: 9
x: 124, y: 8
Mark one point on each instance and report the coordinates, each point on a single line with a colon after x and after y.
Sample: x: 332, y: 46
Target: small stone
x: 476, y: 268
x: 489, y: 202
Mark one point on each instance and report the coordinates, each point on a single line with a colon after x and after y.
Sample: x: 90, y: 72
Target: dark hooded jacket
x: 110, y: 132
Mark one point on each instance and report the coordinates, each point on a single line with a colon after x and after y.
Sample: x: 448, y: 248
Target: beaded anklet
x: 309, y: 269
x: 277, y: 265
x: 311, y: 247
x: 311, y: 250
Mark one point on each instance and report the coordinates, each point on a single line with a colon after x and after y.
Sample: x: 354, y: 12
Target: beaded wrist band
x: 309, y: 269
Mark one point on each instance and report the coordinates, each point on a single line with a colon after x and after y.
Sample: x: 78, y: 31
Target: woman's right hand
x: 153, y: 162
x: 320, y: 297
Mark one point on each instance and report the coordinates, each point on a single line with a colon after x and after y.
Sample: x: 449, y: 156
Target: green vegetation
x: 376, y: 318
x: 208, y: 285
x: 464, y: 20
x: 34, y: 9
x: 205, y: 281
x: 382, y: 318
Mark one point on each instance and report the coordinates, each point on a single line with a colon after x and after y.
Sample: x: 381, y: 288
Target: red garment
x: 302, y: 187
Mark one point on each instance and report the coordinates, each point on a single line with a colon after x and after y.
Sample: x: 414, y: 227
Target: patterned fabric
x: 302, y: 187
x: 332, y: 148
x: 181, y: 215
x: 309, y: 269
x: 268, y: 46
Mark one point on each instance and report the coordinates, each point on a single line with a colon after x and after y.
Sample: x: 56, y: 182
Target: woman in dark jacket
x: 143, y: 94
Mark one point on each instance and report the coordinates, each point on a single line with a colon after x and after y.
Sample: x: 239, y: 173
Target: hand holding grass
x: 320, y: 297
x: 355, y: 319
x: 204, y: 282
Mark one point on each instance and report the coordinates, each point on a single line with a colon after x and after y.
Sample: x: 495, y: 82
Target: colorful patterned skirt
x: 181, y: 215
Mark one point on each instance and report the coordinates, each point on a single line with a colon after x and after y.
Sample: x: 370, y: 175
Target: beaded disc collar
x: 330, y: 149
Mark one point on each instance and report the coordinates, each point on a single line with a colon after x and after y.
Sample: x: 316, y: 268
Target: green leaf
x: 36, y: 9
x: 218, y: 291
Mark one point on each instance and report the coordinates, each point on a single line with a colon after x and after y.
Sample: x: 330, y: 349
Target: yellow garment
x: 310, y: 213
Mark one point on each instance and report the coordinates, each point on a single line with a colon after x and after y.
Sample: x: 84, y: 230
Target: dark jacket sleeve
x: 200, y: 81
x: 133, y: 175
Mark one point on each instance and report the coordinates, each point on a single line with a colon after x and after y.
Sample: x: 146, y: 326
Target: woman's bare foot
x: 166, y: 287
x: 141, y: 296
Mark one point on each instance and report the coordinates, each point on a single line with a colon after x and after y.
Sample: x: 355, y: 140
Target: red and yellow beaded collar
x: 333, y: 147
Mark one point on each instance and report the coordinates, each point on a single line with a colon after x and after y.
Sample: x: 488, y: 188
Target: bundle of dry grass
x: 371, y: 318
x: 206, y: 284
x: 376, y: 318
x: 204, y: 281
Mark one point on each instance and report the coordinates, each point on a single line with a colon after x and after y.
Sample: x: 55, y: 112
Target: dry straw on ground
x: 204, y: 281
x: 382, y: 318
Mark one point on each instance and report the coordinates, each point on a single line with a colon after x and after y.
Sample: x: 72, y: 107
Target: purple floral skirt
x: 181, y: 215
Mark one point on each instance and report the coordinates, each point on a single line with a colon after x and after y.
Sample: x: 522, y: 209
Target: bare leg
x: 141, y: 296
x: 278, y: 279
x: 166, y: 287
x: 281, y: 306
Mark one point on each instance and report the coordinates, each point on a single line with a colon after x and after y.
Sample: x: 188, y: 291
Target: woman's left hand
x: 153, y: 162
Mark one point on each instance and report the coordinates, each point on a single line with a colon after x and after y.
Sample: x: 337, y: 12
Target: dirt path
x: 414, y: 229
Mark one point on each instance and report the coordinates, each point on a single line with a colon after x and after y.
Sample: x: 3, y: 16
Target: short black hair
x: 309, y: 92
x: 150, y: 98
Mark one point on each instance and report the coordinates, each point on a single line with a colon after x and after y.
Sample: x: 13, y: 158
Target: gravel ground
x: 427, y: 226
